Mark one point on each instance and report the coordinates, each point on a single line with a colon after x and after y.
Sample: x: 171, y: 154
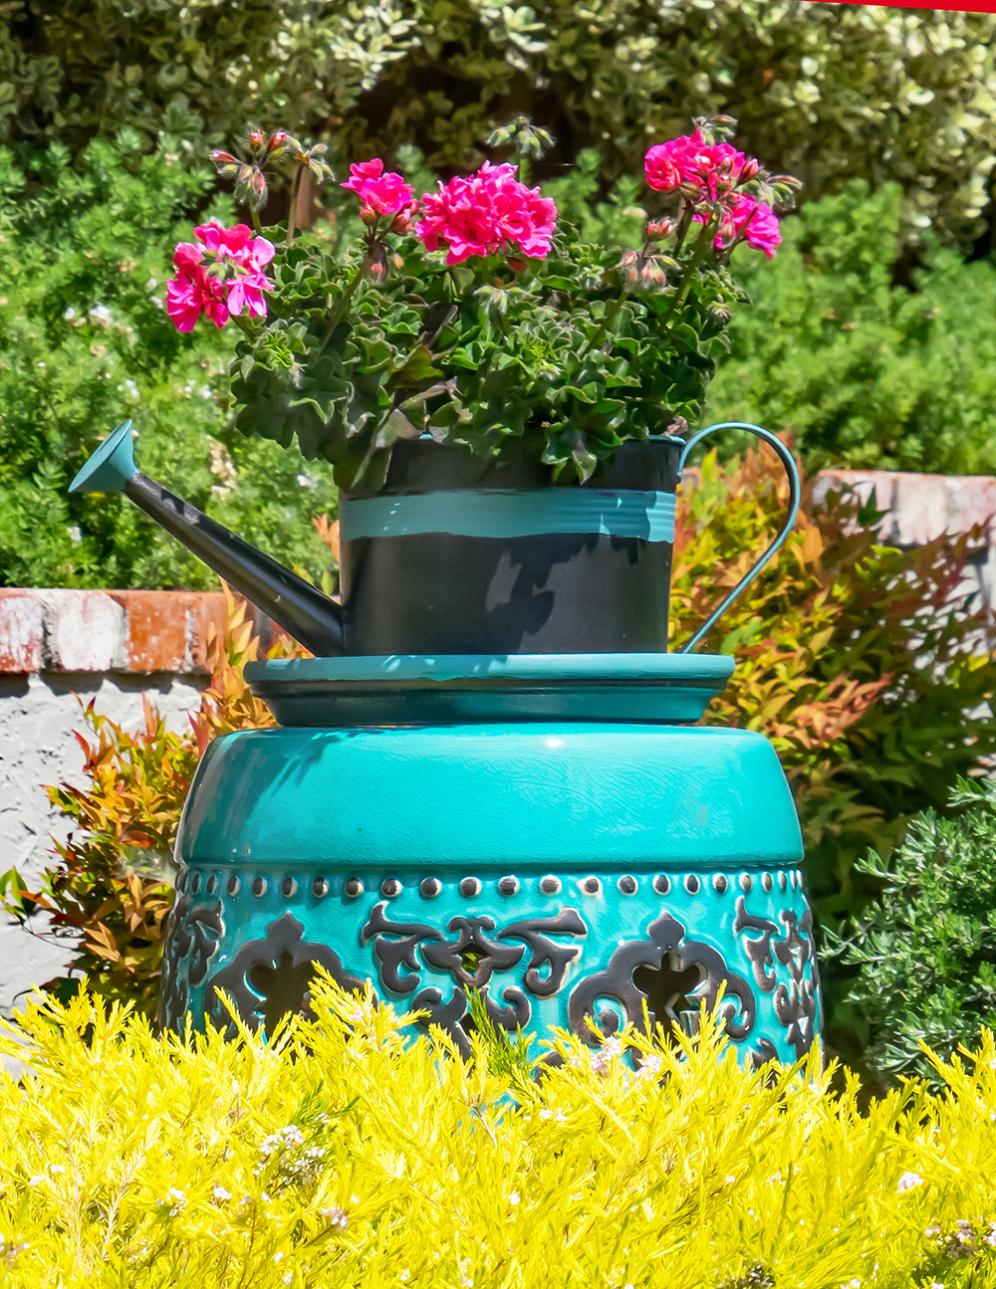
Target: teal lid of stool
x: 420, y: 689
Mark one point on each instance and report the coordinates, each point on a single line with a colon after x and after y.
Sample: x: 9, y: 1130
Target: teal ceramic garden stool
x: 553, y: 832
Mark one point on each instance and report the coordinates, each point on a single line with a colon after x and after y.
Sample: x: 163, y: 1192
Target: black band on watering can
x: 498, y: 513
x: 795, y: 492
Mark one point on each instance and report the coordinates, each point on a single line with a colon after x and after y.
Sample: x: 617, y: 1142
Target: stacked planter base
x: 553, y: 832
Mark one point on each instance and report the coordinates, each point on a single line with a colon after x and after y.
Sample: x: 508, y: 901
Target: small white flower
x: 336, y: 1217
x: 610, y: 1049
x: 75, y: 534
x: 173, y: 1203
x: 56, y: 1168
x: 101, y: 314
x: 513, y: 1198
x: 908, y: 1182
x: 130, y: 388
x: 650, y: 1067
x: 730, y: 1179
x: 306, y: 481
x: 221, y: 1195
x: 278, y: 1256
x: 69, y: 314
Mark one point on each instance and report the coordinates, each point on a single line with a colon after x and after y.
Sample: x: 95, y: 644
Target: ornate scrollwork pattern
x: 194, y: 933
x: 670, y: 973
x: 270, y: 977
x: 471, y: 952
x: 796, y: 1000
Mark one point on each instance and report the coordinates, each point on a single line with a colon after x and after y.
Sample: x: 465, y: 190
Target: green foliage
x: 347, y: 1153
x: 826, y: 92
x: 860, y: 661
x: 865, y: 372
x: 925, y: 953
x: 83, y: 343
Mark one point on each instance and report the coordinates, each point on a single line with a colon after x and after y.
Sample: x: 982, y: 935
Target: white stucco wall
x: 37, y: 714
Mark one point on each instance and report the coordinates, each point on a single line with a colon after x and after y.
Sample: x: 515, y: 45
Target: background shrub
x: 348, y: 1154
x: 865, y: 371
x: 84, y: 342
x: 923, y: 957
x: 828, y: 94
x: 860, y: 661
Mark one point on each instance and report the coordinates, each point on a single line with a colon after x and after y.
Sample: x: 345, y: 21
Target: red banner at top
x: 962, y: 6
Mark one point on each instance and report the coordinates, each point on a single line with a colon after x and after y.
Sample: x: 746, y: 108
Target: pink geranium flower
x: 487, y: 212
x: 380, y: 192
x: 220, y: 276
x: 689, y: 161
x: 754, y: 219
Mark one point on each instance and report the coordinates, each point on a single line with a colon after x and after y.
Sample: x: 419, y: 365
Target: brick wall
x: 113, y: 646
x: 58, y: 648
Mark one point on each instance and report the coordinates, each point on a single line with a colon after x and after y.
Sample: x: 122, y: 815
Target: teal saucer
x: 416, y: 689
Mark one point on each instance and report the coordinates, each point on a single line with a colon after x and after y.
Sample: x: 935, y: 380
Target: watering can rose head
x: 476, y: 314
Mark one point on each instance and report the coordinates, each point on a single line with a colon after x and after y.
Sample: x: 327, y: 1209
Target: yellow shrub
x: 346, y: 1153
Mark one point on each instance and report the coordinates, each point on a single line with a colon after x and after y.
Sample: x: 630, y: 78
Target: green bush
x: 827, y: 93
x: 84, y: 342
x: 865, y: 372
x: 925, y: 953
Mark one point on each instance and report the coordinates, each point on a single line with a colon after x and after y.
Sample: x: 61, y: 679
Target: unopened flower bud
x: 258, y: 183
x: 749, y: 169
x: 653, y: 275
x: 378, y: 263
x: 256, y: 139
x: 397, y: 261
x: 660, y: 228
x: 402, y: 222
x: 368, y: 215
x: 222, y: 158
x: 277, y: 142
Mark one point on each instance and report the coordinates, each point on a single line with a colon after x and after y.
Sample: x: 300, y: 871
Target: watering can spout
x: 294, y: 604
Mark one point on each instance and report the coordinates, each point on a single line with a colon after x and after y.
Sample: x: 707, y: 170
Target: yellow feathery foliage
x: 346, y: 1152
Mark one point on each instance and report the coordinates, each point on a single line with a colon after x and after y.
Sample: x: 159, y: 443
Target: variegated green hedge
x: 829, y: 92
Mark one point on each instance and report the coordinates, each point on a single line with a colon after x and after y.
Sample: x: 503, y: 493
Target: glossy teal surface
x: 491, y: 795
x: 566, y: 870
x: 470, y: 688
x: 496, y: 512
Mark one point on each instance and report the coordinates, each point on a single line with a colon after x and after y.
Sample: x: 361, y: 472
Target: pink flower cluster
x: 221, y: 277
x: 688, y: 161
x: 754, y: 219
x: 487, y: 212
x: 709, y: 173
x: 382, y: 192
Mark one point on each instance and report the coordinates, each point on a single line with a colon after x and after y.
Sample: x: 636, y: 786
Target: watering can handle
x: 795, y: 489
